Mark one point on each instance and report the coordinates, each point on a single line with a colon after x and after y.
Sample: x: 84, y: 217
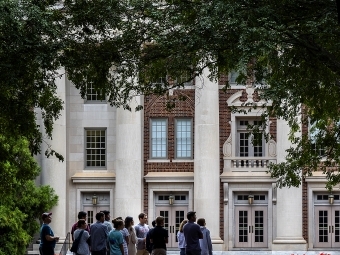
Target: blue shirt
x: 99, y: 235
x: 115, y: 239
x: 192, y: 234
x: 46, y: 230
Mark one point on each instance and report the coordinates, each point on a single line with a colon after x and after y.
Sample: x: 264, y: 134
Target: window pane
x: 183, y: 138
x: 158, y: 138
x: 96, y: 148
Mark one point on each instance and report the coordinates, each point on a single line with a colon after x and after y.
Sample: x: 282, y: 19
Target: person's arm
x: 139, y: 239
x: 209, y: 242
x: 121, y: 248
x: 52, y: 238
x: 166, y: 239
x: 133, y: 236
x: 200, y: 234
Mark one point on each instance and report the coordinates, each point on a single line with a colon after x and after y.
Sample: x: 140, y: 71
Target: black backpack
x: 74, y: 247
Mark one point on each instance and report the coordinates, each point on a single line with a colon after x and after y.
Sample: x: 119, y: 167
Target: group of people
x: 122, y: 237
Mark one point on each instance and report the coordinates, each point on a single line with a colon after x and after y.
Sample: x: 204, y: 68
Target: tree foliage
x: 21, y: 200
x: 124, y: 47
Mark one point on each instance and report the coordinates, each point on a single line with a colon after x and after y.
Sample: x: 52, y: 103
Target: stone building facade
x: 198, y: 156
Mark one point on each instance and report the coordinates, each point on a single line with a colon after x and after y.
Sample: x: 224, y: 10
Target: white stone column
x: 129, y: 154
x: 54, y: 171
x: 289, y: 204
x: 206, y: 156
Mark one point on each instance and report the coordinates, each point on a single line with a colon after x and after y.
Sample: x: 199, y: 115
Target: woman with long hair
x: 132, y: 235
x: 180, y: 237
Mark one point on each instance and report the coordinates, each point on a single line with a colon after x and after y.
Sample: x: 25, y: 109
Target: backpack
x: 74, y: 247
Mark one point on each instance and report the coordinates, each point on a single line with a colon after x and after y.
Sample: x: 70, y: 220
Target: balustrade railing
x: 248, y: 164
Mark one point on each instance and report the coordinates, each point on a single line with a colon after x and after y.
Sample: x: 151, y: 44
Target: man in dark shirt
x: 192, y: 234
x: 159, y: 237
x: 99, y: 235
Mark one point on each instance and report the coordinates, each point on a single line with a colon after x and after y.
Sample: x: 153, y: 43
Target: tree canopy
x: 124, y: 47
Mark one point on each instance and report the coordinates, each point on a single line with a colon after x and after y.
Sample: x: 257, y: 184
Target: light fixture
x: 171, y: 199
x: 331, y: 199
x: 94, y: 199
x: 250, y: 199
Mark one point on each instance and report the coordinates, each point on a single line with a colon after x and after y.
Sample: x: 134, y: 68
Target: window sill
x: 182, y: 160
x: 158, y: 160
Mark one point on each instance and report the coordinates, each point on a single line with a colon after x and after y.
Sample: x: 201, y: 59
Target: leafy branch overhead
x: 124, y: 48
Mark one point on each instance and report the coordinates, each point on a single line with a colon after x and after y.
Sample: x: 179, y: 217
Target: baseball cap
x: 45, y: 214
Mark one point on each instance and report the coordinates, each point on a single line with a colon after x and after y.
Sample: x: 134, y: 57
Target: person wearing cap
x: 81, y: 216
x: 47, y: 238
x: 107, y: 222
x: 192, y: 233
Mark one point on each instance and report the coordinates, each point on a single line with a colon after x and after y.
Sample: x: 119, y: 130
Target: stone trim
x: 93, y: 177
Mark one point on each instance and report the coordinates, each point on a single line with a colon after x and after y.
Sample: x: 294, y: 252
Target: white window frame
x: 152, y: 121
x: 191, y: 137
x: 100, y: 167
x: 93, y: 96
x: 242, y: 129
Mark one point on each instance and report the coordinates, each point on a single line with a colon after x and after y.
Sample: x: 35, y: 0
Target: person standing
x: 148, y: 245
x: 159, y: 237
x: 99, y: 235
x: 192, y: 234
x: 205, y: 243
x: 81, y: 216
x: 141, y: 231
x: 115, y: 238
x: 48, y: 240
x: 132, y: 235
x: 107, y: 221
x: 83, y: 247
x: 181, y: 238
x: 125, y: 234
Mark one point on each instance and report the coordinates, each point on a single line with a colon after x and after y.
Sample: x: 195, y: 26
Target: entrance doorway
x: 173, y: 216
x: 251, y: 221
x: 174, y: 212
x: 326, y: 221
x: 93, y: 206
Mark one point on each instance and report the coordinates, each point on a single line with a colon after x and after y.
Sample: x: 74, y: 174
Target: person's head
x: 119, y: 218
x: 107, y: 215
x: 46, y: 217
x: 143, y: 218
x: 182, y: 225
x: 201, y: 222
x: 118, y: 224
x: 191, y: 216
x: 82, y: 215
x: 153, y: 223
x: 160, y: 221
x: 100, y: 216
x: 81, y: 224
x: 128, y: 222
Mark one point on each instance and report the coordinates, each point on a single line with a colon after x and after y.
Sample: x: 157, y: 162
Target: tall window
x: 92, y: 94
x: 314, y: 134
x: 159, y: 138
x: 95, y: 148
x: 249, y: 145
x: 183, y: 138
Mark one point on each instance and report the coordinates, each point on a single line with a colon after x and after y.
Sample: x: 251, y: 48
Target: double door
x: 92, y: 211
x: 327, y: 226
x: 251, y: 226
x: 173, y: 216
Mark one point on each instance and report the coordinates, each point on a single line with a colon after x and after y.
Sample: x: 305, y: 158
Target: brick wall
x: 155, y: 107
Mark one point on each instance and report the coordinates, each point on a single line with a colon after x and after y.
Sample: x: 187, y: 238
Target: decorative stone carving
x: 227, y: 147
x: 272, y: 148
